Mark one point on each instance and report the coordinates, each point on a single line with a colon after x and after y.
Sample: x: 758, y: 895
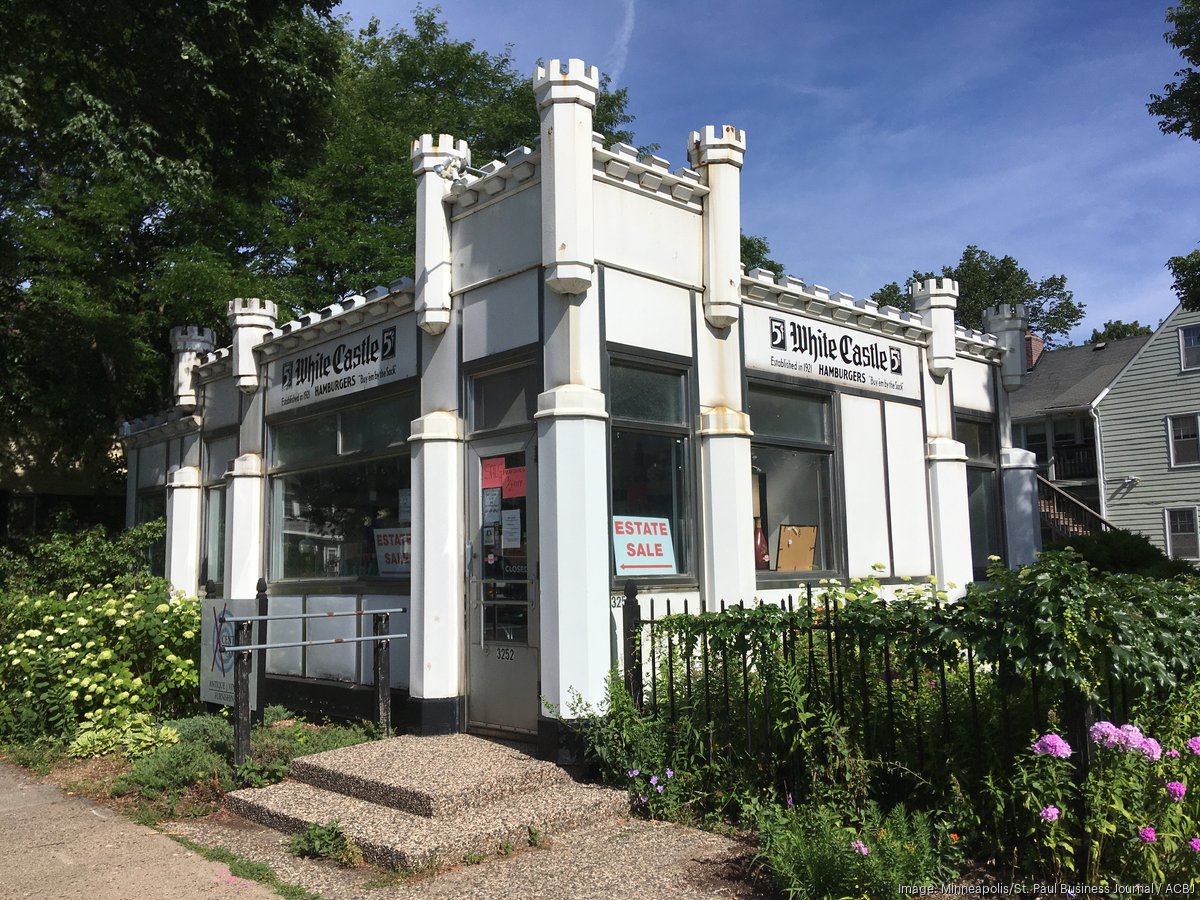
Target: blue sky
x: 886, y: 135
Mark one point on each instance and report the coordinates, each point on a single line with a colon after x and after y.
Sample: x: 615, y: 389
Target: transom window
x: 1183, y: 437
x: 1189, y: 347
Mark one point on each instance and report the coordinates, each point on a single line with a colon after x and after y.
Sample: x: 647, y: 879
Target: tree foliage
x: 985, y: 280
x: 1116, y: 330
x: 157, y: 160
x: 1178, y: 112
x: 756, y: 254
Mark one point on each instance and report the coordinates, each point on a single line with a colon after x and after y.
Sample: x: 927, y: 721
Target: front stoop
x: 410, y: 802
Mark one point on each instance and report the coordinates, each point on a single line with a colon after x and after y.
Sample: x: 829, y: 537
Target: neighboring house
x: 1053, y: 415
x: 1150, y: 439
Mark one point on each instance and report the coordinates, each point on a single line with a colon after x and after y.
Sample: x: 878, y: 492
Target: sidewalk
x: 53, y: 846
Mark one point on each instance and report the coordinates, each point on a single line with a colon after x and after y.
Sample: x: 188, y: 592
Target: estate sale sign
x: 643, y: 545
x: 363, y: 359
x: 777, y: 341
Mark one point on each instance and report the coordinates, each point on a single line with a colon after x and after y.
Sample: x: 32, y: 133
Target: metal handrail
x: 350, y: 640
x: 225, y: 617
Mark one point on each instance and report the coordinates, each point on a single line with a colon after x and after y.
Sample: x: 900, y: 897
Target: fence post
x: 383, y: 674
x: 243, y: 637
x: 631, y: 620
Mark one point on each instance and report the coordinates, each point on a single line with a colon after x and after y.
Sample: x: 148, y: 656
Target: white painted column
x: 436, y: 639
x: 244, y: 525
x: 1022, y: 516
x: 936, y: 299
x: 437, y: 636
x: 576, y: 636
x: 727, y: 511
x: 183, y: 529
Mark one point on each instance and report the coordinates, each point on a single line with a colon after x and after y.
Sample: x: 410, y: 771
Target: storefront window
x: 791, y: 479
x: 152, y: 505
x: 983, y: 495
x: 218, y: 452
x: 651, y: 472
x: 348, y: 511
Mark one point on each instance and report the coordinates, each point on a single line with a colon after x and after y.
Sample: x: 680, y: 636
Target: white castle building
x: 579, y: 386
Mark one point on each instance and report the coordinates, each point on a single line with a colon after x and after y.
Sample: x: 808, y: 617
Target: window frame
x: 1171, y: 462
x: 400, y: 583
x: 1167, y: 532
x: 1183, y: 331
x: 771, y: 578
x: 689, y: 568
x: 980, y: 464
x: 211, y: 482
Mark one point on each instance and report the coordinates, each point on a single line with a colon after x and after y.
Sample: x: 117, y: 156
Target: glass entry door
x: 502, y: 619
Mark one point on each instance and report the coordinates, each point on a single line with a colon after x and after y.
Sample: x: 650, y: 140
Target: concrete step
x: 401, y: 840
x: 428, y: 776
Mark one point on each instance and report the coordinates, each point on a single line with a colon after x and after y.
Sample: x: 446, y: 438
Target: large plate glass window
x: 651, y: 471
x: 151, y: 506
x: 791, y: 469
x: 218, y: 452
x: 341, y: 493
x: 983, y: 491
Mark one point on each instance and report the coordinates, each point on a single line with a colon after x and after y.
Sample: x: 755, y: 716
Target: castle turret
x: 188, y: 344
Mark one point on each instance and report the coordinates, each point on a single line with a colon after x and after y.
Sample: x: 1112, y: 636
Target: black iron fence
x: 745, y: 685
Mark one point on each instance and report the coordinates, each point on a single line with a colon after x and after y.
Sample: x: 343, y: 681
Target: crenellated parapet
x: 188, y: 343
x: 1009, y: 322
x: 936, y: 299
x: 250, y: 318
x: 353, y: 311
x: 566, y: 96
x: 623, y: 165
x: 788, y: 292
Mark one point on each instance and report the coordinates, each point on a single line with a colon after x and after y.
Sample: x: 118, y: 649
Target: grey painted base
x: 439, y: 715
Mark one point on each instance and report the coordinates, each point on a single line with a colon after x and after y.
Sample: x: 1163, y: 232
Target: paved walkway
x: 54, y: 846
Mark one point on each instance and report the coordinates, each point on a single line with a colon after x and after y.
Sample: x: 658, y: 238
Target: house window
x: 1189, y: 347
x: 983, y: 491
x: 1183, y: 542
x: 791, y: 478
x: 340, y: 493
x: 651, y: 469
x: 1183, y: 437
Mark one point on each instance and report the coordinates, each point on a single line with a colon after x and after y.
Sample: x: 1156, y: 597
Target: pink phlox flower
x: 1151, y: 749
x: 1103, y: 733
x: 1176, y: 790
x: 1147, y: 835
x: 654, y: 779
x: 1051, y: 745
x: 670, y: 773
x: 1193, y: 744
x: 1130, y: 737
x: 1172, y: 754
x: 860, y: 847
x: 1194, y: 843
x: 658, y: 787
x: 1050, y: 814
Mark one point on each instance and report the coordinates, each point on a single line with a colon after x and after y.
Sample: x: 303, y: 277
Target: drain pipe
x: 1100, y: 483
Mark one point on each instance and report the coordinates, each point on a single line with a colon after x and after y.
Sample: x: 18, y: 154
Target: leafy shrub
x: 326, y: 841
x: 71, y: 556
x: 213, y: 732
x: 137, y: 738
x: 100, y: 655
x: 169, y: 771
x: 287, y: 738
x: 1123, y: 552
x: 820, y: 850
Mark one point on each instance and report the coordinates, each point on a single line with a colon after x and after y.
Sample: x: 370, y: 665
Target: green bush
x: 100, y: 655
x: 213, y: 732
x: 326, y: 841
x: 1123, y: 552
x: 285, y: 739
x: 71, y: 557
x: 169, y: 771
x: 820, y: 850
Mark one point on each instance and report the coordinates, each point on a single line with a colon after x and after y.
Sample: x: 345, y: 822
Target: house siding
x: 1134, y: 438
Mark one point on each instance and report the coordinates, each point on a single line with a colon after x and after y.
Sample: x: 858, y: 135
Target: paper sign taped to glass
x: 642, y: 545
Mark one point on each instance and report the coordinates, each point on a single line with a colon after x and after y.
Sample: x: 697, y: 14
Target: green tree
x: 121, y: 127
x: 1178, y: 112
x: 756, y: 254
x: 985, y: 280
x: 1115, y: 330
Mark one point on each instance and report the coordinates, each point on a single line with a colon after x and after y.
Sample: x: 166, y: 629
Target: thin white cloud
x: 619, y: 51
